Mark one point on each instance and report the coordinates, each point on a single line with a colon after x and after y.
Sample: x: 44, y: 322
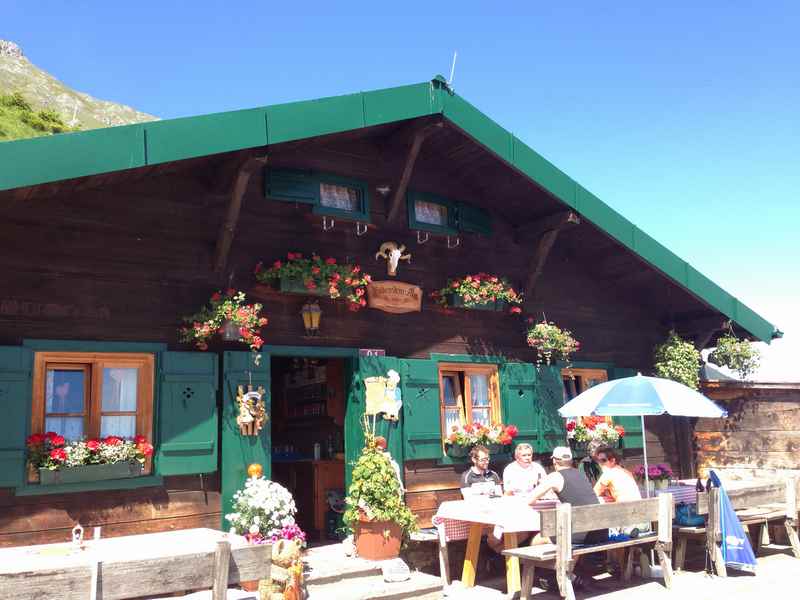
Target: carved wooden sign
x: 394, y: 297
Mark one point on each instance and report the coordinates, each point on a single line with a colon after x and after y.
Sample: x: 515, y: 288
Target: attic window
x: 430, y: 213
x: 339, y: 197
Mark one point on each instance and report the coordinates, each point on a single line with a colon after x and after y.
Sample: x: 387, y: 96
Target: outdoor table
x: 510, y: 514
x: 680, y: 493
x: 123, y: 549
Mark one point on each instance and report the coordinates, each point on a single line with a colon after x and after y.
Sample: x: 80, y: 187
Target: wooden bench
x: 102, y: 574
x: 566, y: 520
x: 755, y: 505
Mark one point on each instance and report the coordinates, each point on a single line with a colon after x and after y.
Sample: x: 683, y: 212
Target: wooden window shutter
x: 291, y: 185
x: 421, y: 414
x: 16, y: 363
x: 518, y: 391
x: 632, y: 425
x: 472, y: 219
x: 187, y: 414
x: 549, y: 398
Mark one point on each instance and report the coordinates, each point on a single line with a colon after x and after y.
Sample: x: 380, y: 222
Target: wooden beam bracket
x: 546, y: 230
x: 228, y: 228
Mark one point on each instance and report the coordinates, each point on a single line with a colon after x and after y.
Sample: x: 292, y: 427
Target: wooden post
x: 471, y: 555
x: 222, y: 560
x: 714, y: 532
x: 444, y: 557
x: 399, y: 196
x: 791, y: 515
x: 528, y: 572
x: 510, y: 540
x: 680, y: 552
x: 664, y: 543
x: 564, y: 550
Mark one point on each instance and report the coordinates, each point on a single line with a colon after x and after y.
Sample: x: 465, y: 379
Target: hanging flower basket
x: 227, y: 315
x: 317, y: 276
x: 738, y: 355
x: 481, y: 291
x: 678, y: 360
x: 551, y: 342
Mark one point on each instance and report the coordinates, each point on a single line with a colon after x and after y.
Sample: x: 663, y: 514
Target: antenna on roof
x: 453, y: 68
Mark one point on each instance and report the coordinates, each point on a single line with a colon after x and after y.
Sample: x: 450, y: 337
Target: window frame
x: 307, y: 184
x: 465, y: 409
x: 584, y: 373
x: 452, y: 213
x: 94, y: 363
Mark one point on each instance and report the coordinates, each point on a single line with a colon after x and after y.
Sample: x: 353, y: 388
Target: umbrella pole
x: 646, y: 466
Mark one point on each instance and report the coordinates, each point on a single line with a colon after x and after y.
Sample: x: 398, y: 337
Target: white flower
x: 254, y: 529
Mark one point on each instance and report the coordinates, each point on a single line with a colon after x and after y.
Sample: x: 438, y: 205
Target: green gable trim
x: 71, y: 155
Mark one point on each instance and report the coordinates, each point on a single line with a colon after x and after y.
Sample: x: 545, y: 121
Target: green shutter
x: 518, y: 393
x: 291, y: 185
x: 632, y: 425
x: 550, y: 397
x: 450, y: 228
x: 15, y: 405
x: 472, y: 219
x: 187, y: 414
x: 421, y: 415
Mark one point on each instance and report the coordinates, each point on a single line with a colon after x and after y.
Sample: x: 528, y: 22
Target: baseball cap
x: 562, y: 453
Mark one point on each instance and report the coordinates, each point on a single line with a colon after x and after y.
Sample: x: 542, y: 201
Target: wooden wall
x: 183, y: 502
x: 761, y: 435
x: 124, y: 259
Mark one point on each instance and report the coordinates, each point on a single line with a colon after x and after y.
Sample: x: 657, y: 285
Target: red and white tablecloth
x: 680, y: 493
x: 505, y: 514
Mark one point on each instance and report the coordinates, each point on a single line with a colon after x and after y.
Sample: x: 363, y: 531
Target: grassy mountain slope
x: 43, y: 92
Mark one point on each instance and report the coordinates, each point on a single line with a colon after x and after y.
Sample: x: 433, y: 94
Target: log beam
x: 417, y: 137
x: 228, y: 229
x: 546, y: 230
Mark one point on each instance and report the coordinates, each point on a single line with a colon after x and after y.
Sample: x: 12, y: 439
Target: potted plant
x: 738, y: 355
x: 497, y: 438
x: 480, y: 291
x: 263, y: 512
x: 583, y: 430
x: 376, y: 512
x: 228, y: 315
x: 317, y: 276
x: 678, y: 360
x: 58, y: 461
x: 550, y: 341
x: 659, y: 474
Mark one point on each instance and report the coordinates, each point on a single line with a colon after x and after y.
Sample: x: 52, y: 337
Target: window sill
x: 89, y: 486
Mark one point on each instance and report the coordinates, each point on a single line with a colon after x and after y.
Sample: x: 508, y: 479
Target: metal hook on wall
x: 420, y: 239
x: 359, y: 231
x: 325, y: 225
x: 456, y: 245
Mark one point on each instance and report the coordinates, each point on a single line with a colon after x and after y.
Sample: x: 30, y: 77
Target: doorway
x: 309, y: 396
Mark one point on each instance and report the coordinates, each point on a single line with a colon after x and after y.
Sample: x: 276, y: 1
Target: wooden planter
x: 457, y: 301
x: 456, y: 451
x: 83, y: 473
x: 378, y: 540
x: 499, y: 448
x: 287, y: 285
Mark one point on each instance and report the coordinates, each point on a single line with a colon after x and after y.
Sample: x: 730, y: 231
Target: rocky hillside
x: 46, y: 93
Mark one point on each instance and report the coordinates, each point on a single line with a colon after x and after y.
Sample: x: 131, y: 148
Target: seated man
x: 479, y: 474
x: 570, y: 485
x: 523, y: 475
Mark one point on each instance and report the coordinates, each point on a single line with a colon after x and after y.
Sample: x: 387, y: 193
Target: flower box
x: 456, y: 450
x: 499, y: 448
x: 292, y: 285
x: 457, y: 301
x: 83, y: 473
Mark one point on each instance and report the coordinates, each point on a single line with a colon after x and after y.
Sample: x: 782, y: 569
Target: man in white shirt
x: 523, y: 475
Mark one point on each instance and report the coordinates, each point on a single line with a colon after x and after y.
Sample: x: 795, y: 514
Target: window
x: 429, y: 212
x: 468, y: 394
x: 340, y: 197
x: 580, y: 380
x: 89, y: 395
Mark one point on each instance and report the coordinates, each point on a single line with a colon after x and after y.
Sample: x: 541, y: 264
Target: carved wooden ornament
x: 252, y: 410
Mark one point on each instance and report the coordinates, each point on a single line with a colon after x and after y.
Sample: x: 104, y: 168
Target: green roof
x: 65, y: 156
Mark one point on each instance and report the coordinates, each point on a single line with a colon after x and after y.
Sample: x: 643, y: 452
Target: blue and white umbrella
x: 639, y: 396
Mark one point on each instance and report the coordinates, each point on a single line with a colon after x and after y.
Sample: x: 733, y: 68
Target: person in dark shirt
x: 479, y: 472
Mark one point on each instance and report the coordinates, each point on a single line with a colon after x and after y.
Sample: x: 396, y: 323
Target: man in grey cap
x: 570, y: 485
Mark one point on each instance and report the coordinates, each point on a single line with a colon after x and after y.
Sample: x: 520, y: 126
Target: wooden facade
x: 95, y: 262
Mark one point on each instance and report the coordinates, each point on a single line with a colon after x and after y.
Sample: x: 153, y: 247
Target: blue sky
x: 684, y: 116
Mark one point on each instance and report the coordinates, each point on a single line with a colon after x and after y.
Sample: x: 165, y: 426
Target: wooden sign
x: 394, y: 297
x: 371, y: 352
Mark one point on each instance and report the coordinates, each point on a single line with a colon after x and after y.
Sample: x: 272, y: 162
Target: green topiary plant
x: 738, y: 355
x: 678, y: 360
x: 375, y: 493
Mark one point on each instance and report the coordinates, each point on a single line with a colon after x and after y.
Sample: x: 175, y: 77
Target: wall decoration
x: 392, y: 254
x: 394, y: 297
x: 481, y: 291
x: 252, y: 410
x: 317, y: 276
x: 383, y: 395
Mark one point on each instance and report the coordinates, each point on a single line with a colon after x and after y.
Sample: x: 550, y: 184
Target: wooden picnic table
x: 510, y: 515
x: 130, y: 566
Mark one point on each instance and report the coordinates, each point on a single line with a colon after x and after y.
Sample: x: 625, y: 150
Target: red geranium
x: 145, y: 448
x: 58, y: 454
x: 37, y: 439
x: 93, y: 445
x: 570, y: 425
x: 620, y: 430
x: 512, y: 431
x: 112, y: 440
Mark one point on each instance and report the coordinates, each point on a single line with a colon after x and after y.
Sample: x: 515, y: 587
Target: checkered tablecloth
x: 680, y: 493
x: 508, y: 514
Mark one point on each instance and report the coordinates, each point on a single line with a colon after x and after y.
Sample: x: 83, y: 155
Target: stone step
x: 330, y: 564
x: 371, y: 587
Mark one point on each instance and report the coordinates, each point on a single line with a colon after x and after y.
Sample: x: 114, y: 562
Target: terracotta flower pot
x: 378, y: 540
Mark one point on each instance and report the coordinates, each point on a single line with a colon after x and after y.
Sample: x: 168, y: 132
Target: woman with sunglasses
x: 616, y: 483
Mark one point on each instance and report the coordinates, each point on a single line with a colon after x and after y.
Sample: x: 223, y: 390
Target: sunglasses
x: 482, y: 459
x: 601, y: 460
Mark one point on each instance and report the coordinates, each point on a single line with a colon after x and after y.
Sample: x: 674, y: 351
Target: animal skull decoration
x: 392, y: 254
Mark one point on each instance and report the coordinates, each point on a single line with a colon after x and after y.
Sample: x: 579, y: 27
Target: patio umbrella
x: 640, y: 396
